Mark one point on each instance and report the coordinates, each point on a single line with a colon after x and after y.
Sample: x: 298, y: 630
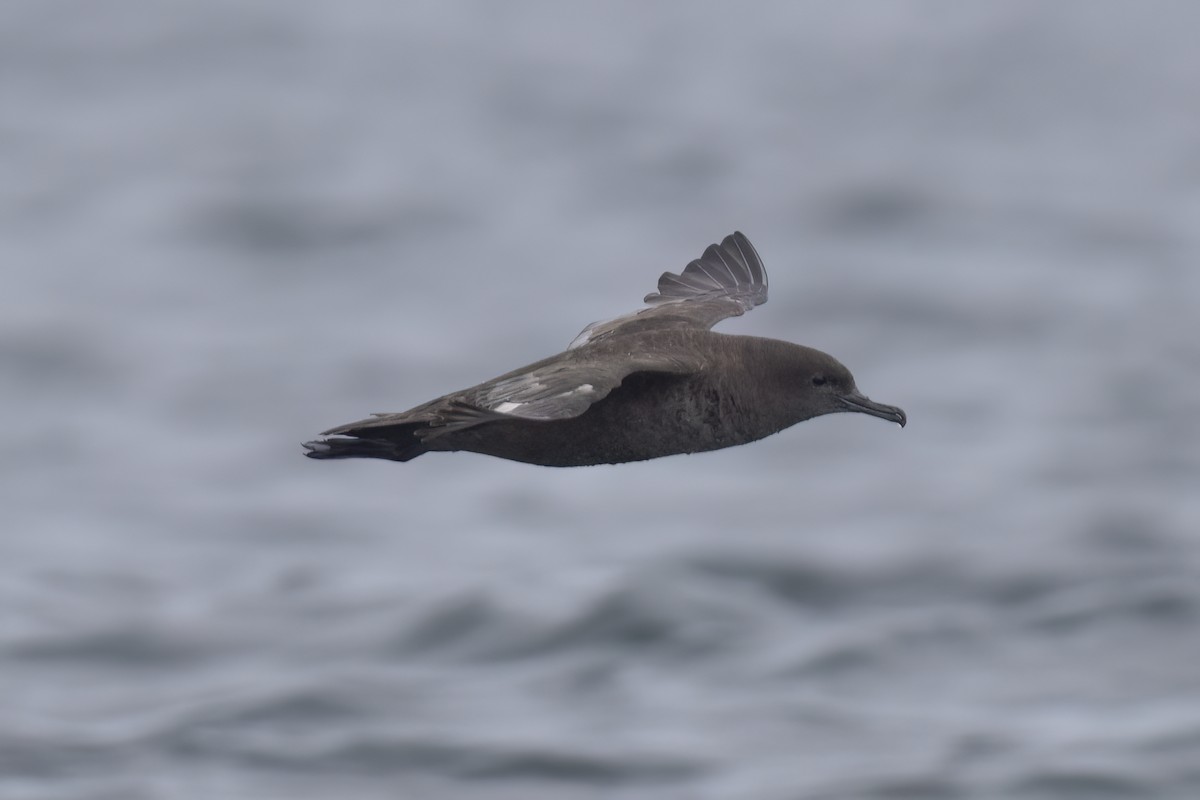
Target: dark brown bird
x: 652, y: 383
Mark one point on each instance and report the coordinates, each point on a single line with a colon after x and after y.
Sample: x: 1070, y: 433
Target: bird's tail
x: 345, y: 447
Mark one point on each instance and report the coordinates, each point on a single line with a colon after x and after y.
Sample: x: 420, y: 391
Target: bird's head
x: 827, y: 387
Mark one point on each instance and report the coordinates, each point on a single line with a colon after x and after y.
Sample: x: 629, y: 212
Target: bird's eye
x: 818, y: 380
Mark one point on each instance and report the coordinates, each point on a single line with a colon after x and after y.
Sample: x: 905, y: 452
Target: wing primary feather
x: 700, y: 266
x: 754, y: 267
x: 729, y: 269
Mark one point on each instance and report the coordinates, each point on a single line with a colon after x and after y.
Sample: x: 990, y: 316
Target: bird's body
x: 653, y: 383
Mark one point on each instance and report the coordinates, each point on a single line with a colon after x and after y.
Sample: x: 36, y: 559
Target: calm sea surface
x: 226, y: 226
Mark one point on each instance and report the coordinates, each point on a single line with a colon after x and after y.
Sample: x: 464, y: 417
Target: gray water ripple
x: 137, y: 648
x: 385, y: 754
x: 1082, y: 784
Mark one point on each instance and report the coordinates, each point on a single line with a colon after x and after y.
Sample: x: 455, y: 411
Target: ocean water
x: 226, y: 226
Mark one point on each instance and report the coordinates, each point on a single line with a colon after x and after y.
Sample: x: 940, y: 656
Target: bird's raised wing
x: 727, y: 281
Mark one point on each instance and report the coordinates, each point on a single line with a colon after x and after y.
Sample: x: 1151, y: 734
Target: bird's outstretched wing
x: 727, y: 281
x: 559, y: 387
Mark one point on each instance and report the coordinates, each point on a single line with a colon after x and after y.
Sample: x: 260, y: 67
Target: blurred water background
x: 225, y: 226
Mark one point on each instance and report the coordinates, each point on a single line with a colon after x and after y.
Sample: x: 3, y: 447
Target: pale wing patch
x: 556, y: 395
x: 511, y: 407
x: 521, y: 397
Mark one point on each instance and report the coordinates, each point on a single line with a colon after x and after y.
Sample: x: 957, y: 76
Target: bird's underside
x: 628, y: 425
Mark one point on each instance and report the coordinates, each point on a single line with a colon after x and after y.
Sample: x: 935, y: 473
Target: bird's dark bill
x: 865, y: 405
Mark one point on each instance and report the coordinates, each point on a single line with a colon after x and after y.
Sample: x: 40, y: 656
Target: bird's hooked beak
x: 855, y: 401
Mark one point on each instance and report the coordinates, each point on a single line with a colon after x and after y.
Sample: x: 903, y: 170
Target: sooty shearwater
x: 654, y: 382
